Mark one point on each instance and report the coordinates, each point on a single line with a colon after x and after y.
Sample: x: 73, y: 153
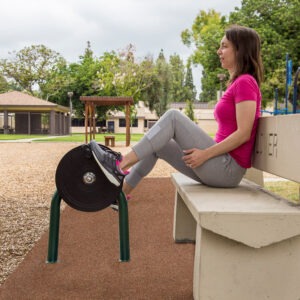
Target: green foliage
x: 4, y: 86
x: 189, y: 110
x: 31, y: 67
x: 45, y: 73
x: 205, y: 34
x: 189, y: 87
x: 177, y: 78
x: 172, y: 81
x: 121, y: 75
x: 278, y: 25
x: 164, y: 85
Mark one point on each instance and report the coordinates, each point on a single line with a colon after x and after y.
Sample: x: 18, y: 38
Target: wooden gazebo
x: 90, y: 104
x: 32, y: 115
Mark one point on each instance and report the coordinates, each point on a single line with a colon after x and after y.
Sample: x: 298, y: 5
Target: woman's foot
x: 109, y: 162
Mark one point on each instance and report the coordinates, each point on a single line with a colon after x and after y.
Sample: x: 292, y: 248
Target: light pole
x: 70, y: 95
x: 221, y: 78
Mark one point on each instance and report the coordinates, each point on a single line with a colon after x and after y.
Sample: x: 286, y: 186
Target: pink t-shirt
x: 244, y: 88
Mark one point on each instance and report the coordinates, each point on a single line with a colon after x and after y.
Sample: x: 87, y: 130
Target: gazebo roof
x: 17, y: 101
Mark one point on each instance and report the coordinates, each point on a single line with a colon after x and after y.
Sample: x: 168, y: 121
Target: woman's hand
x: 194, y: 157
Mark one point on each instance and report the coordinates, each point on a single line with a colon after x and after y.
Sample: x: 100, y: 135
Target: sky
x: 65, y: 26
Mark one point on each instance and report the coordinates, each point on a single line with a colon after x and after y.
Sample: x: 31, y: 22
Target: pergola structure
x: 90, y: 104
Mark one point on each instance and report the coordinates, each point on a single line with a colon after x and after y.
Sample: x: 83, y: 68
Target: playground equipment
x: 83, y: 186
x: 288, y: 82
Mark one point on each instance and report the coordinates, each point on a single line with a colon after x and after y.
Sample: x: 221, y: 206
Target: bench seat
x: 231, y: 212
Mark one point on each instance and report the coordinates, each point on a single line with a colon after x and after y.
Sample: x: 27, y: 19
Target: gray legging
x: 173, y: 133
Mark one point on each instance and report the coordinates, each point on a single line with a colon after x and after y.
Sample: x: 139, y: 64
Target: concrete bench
x: 247, y: 239
x: 109, y: 140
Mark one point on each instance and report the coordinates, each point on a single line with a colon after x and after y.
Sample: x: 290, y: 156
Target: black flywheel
x: 81, y: 183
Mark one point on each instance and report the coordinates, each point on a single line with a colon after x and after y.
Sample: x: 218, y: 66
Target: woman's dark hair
x: 248, y: 52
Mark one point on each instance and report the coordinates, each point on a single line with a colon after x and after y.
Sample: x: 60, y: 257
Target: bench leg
x: 226, y: 269
x: 184, y: 228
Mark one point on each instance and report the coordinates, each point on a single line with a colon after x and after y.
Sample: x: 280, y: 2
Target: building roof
x: 107, y: 100
x: 18, y: 101
x: 196, y: 105
x: 202, y: 111
x: 141, y: 111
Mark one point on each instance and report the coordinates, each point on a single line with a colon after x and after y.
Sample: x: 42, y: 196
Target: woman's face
x: 227, y: 55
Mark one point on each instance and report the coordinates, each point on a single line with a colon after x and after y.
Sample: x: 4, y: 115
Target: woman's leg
x: 220, y: 171
x: 172, y: 125
x: 143, y: 167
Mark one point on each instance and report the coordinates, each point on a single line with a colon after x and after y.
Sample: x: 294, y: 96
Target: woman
x: 219, y: 162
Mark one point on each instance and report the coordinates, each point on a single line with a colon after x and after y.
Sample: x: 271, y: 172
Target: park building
x: 21, y: 113
x: 203, y: 113
x: 144, y: 119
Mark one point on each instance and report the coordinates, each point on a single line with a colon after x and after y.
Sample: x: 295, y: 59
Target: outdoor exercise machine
x: 83, y: 186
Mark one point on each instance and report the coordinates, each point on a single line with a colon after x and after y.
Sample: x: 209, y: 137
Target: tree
x: 163, y: 85
x: 134, y: 76
x: 177, y: 78
x: 31, y: 67
x: 169, y: 83
x: 57, y: 85
x: 205, y: 34
x: 189, y: 110
x: 150, y: 95
x: 121, y: 74
x: 277, y: 23
x: 278, y: 27
x: 4, y: 86
x: 189, y: 87
x: 83, y: 80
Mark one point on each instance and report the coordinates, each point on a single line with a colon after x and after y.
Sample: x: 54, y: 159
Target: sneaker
x: 108, y: 160
x: 115, y: 205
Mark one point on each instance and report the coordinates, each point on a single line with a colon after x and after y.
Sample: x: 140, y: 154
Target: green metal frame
x: 123, y: 228
x: 54, y: 228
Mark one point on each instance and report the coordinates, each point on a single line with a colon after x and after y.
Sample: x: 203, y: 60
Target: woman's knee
x: 173, y: 114
x: 173, y: 111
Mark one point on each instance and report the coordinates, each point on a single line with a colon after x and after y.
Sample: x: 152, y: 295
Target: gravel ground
x: 26, y: 188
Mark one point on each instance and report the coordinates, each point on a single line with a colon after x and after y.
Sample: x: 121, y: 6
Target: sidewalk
x: 29, y: 140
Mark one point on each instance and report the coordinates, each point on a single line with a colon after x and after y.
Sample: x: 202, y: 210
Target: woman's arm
x: 245, y: 115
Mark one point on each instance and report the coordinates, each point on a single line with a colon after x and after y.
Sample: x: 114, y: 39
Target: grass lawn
x: 7, y: 137
x: 75, y: 137
x: 286, y: 189
x: 99, y: 137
